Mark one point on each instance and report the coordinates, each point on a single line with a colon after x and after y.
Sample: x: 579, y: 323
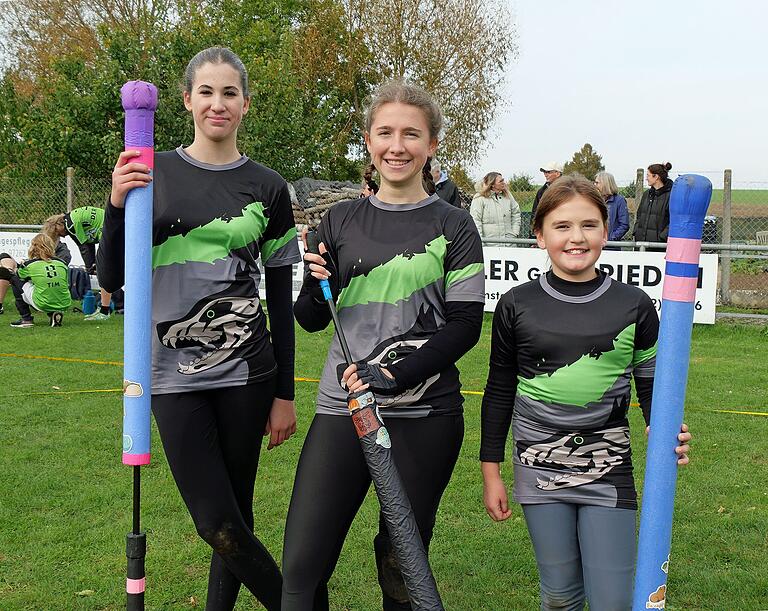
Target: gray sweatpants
x: 583, y: 551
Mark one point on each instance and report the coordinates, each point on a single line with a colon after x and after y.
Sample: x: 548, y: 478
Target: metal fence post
x: 725, y: 260
x: 70, y: 188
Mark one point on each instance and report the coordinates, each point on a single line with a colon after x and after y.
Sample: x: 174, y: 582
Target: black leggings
x: 332, y: 480
x: 212, y: 440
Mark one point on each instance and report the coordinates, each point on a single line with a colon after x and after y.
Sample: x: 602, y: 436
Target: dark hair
x: 368, y: 178
x: 400, y: 91
x: 563, y: 189
x: 215, y: 55
x: 660, y: 169
x: 427, y: 179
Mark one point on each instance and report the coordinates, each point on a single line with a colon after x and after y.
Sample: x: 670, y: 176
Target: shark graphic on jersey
x: 578, y: 458
x: 395, y: 349
x: 217, y: 326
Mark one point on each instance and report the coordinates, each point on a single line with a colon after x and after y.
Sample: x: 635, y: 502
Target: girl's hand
x: 127, y: 175
x: 681, y: 450
x: 352, y: 381
x: 495, y: 493
x: 315, y: 262
x: 281, y: 423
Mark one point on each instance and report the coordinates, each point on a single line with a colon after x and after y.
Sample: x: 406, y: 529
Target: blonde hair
x: 49, y: 226
x: 398, y: 90
x: 607, y: 184
x: 41, y: 247
x: 484, y: 186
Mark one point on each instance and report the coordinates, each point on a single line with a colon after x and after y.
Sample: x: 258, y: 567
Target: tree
x: 456, y: 49
x: 585, y: 162
x: 521, y: 182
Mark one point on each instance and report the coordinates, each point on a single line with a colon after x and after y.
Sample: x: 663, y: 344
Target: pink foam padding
x: 679, y: 289
x: 147, y: 156
x: 136, y: 459
x: 135, y: 586
x: 683, y: 250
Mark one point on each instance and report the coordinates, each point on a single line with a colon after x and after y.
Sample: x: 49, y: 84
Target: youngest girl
x: 563, y: 348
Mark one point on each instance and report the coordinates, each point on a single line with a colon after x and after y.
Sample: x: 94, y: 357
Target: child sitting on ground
x: 40, y: 282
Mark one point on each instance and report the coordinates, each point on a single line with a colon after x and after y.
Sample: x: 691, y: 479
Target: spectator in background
x: 51, y: 228
x: 40, y: 282
x: 652, y: 219
x: 618, y: 213
x: 494, y: 210
x: 84, y: 226
x: 552, y: 171
x: 444, y: 186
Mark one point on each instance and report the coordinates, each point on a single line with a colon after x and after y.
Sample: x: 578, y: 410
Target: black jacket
x: 448, y: 192
x: 652, y: 220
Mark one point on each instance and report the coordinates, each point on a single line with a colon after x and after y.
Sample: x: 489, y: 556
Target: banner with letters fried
x: 506, y: 267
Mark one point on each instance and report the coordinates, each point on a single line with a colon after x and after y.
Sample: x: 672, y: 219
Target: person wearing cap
x: 552, y: 171
x: 444, y: 186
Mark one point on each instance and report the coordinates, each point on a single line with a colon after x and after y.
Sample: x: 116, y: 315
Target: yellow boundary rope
x: 477, y: 393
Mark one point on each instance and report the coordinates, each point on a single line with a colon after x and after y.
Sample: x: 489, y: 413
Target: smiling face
x: 216, y: 102
x: 399, y: 143
x: 574, y: 235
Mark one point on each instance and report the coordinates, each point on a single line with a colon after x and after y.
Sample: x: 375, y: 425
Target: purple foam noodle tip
x: 139, y: 100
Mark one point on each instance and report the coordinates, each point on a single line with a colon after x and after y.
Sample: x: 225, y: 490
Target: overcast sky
x: 645, y: 82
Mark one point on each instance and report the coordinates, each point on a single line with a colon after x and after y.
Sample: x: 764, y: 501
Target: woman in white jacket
x: 494, y: 210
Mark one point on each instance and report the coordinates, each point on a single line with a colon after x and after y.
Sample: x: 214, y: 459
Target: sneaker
x: 97, y: 315
x: 23, y: 323
x: 56, y: 318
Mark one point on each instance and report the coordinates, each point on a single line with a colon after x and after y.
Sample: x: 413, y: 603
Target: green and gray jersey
x: 572, y: 349
x: 398, y: 265
x: 212, y: 224
x: 50, y: 279
x: 84, y: 224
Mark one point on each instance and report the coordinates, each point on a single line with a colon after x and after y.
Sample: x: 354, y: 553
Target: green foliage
x: 521, y: 182
x: 586, y: 162
x: 628, y: 191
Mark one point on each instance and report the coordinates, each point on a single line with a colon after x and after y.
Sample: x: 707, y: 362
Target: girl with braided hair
x: 406, y: 269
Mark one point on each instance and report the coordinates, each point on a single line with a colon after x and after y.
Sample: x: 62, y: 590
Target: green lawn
x: 65, y: 498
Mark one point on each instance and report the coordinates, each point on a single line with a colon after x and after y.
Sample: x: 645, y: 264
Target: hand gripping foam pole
x: 139, y: 101
x: 688, y: 204
x: 394, y: 502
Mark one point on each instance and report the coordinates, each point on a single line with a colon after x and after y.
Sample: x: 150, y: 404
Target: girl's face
x: 574, y: 235
x: 399, y: 144
x: 216, y: 102
x: 651, y: 178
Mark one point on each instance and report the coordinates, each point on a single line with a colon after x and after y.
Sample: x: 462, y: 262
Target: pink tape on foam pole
x: 135, y: 586
x: 136, y: 459
x: 677, y: 288
x: 683, y: 250
x: 147, y: 156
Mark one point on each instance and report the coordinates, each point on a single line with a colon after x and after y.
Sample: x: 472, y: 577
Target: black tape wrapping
x: 399, y: 517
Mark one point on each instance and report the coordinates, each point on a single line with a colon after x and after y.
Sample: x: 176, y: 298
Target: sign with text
x: 506, y: 267
x: 16, y: 244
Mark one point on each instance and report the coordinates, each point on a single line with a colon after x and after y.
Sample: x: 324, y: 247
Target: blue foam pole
x: 139, y: 101
x: 688, y: 204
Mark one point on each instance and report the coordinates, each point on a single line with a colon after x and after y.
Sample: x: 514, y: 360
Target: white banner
x: 16, y: 244
x: 506, y: 267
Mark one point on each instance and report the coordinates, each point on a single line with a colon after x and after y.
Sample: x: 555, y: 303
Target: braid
x: 426, y: 177
x: 368, y: 177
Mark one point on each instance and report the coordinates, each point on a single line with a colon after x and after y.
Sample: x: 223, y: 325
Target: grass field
x: 65, y: 497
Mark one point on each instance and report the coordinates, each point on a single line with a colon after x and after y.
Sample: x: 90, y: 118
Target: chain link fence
x: 738, y: 214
